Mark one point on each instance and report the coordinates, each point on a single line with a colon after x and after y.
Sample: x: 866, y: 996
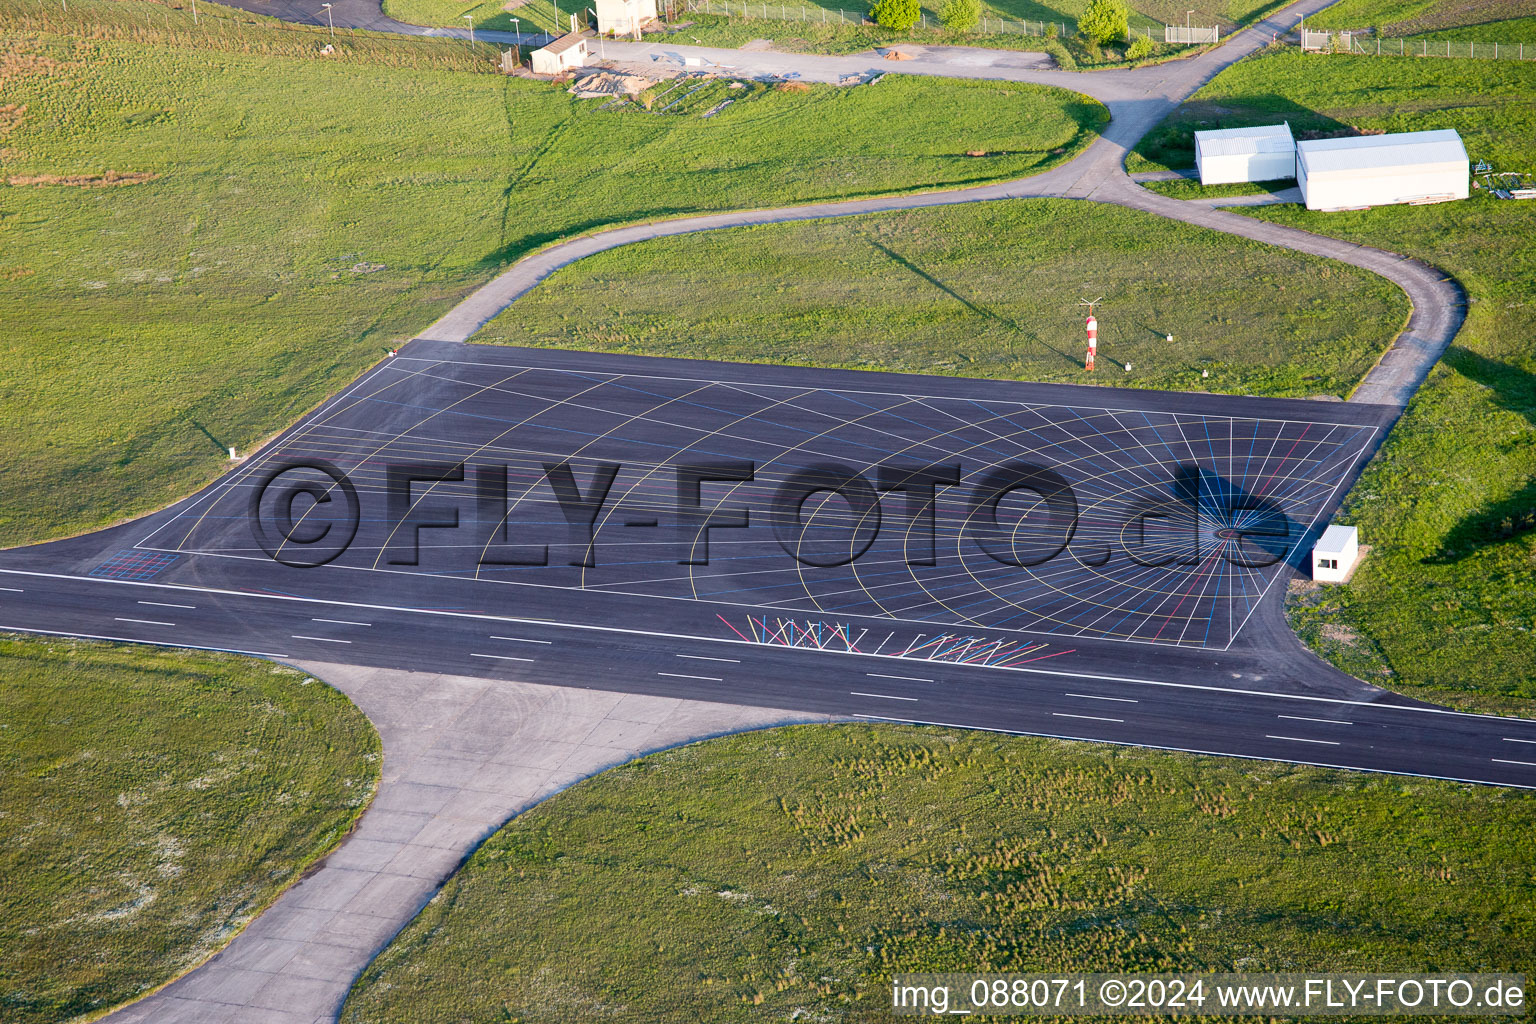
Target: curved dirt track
x: 1137, y: 99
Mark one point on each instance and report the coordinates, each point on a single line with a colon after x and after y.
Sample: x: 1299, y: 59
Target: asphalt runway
x: 1158, y: 621
x: 795, y: 499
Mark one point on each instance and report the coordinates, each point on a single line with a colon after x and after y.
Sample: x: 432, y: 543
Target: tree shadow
x: 1513, y: 389
x: 979, y: 310
x: 1172, y: 143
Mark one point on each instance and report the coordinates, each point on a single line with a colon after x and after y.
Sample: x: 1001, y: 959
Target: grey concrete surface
x: 461, y: 756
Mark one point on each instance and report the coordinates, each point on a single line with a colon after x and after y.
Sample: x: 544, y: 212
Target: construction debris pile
x: 593, y: 82
x: 1503, y: 184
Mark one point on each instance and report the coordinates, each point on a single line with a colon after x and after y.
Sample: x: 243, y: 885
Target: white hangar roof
x: 1400, y: 152
x: 1269, y: 138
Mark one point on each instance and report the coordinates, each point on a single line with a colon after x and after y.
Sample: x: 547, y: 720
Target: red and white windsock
x: 1093, y: 342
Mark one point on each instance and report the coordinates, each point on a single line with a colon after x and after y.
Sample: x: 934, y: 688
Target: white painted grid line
x: 1300, y: 739
x: 907, y: 679
x: 1326, y: 721
x: 679, y: 675
x: 166, y: 604
x: 1094, y: 696
x: 882, y: 696
x: 342, y: 622
x: 319, y: 639
x: 144, y: 622
x: 499, y: 657
x: 702, y: 657
x: 1090, y: 718
x: 1528, y: 764
x: 521, y: 640
x: 1511, y: 739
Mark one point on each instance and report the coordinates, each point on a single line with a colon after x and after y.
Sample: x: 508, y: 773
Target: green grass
x: 980, y: 290
x: 151, y: 803
x: 1444, y: 607
x: 1488, y: 102
x: 1186, y: 188
x: 786, y: 875
x: 307, y: 213
x: 1512, y: 21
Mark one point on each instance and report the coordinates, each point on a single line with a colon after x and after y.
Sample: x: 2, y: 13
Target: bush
x: 897, y: 15
x: 960, y: 15
x: 1064, y: 60
x: 1052, y: 30
x: 1140, y: 48
x: 1105, y: 21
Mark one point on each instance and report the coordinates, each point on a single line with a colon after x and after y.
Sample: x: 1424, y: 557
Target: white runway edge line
x: 1089, y: 718
x: 882, y: 696
x: 658, y: 634
x: 1199, y: 750
x: 143, y: 622
x: 139, y: 640
x: 1302, y: 739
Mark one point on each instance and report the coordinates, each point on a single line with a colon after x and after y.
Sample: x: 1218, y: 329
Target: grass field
x: 1511, y: 21
x: 787, y: 875
x: 980, y: 290
x: 1488, y: 102
x: 1445, y: 606
x: 151, y: 803
x: 295, y: 216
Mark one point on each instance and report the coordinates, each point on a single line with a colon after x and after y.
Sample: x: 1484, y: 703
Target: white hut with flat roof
x: 1335, y: 554
x: 1262, y: 153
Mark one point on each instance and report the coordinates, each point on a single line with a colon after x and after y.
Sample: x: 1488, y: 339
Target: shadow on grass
x: 979, y: 310
x: 1172, y: 143
x: 1513, y: 389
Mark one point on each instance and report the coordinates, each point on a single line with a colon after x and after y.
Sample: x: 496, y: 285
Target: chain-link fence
x: 1369, y: 44
x: 988, y: 24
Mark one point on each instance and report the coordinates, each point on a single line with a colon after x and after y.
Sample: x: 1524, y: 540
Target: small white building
x: 1263, y: 153
x: 567, y: 52
x: 1379, y: 170
x: 1335, y: 554
x: 624, y: 17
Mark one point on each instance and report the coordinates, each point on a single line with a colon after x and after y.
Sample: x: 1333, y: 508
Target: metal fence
x: 860, y: 15
x: 1191, y: 34
x: 1316, y: 41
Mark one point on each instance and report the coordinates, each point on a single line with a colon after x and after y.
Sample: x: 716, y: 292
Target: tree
x: 960, y: 15
x: 1105, y: 21
x: 898, y: 15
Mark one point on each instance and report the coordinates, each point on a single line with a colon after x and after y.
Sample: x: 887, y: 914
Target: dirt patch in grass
x: 104, y: 180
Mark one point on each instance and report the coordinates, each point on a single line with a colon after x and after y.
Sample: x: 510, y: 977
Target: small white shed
x: 1335, y: 554
x: 1379, y: 170
x: 567, y: 52
x: 1263, y: 153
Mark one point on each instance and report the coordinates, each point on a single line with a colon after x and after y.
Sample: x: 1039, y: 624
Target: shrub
x: 1105, y: 21
x: 1052, y: 30
x: 898, y: 15
x: 1140, y: 48
x: 1064, y: 60
x: 960, y: 15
